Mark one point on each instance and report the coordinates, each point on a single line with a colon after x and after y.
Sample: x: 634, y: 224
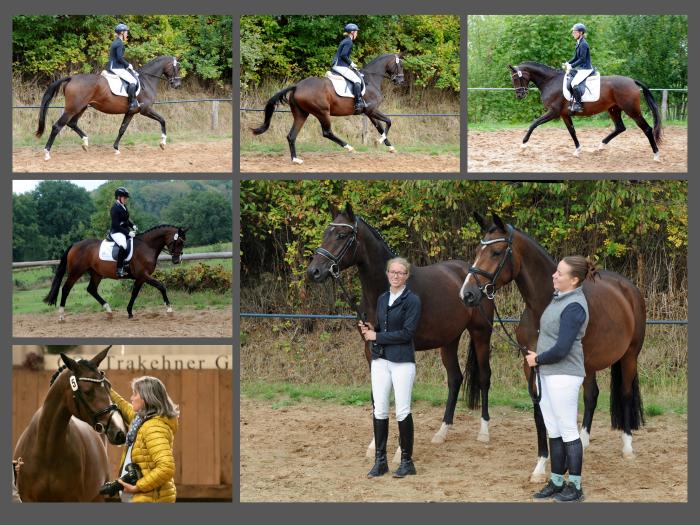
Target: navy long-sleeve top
x: 116, y: 55
x: 120, y: 219
x: 342, y: 56
x: 572, y: 317
x: 582, y: 55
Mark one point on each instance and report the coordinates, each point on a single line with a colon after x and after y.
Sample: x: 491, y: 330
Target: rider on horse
x: 580, y: 65
x: 120, y: 226
x: 347, y: 68
x: 120, y: 67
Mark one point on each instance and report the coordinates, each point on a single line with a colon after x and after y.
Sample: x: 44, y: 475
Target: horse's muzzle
x: 177, y: 259
x: 317, y: 274
x: 398, y: 80
x: 472, y: 296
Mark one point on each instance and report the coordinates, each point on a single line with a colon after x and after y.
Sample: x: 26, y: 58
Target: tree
x: 27, y: 242
x: 207, y: 214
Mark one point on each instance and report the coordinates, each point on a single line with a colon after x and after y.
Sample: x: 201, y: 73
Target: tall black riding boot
x: 381, y: 433
x: 577, y: 93
x: 359, y: 103
x: 131, y: 92
x: 406, y: 442
x: 120, y: 262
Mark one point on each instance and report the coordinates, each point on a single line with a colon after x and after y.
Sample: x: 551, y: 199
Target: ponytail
x: 582, y: 268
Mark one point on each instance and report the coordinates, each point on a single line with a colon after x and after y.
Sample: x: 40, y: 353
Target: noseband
x: 170, y: 247
x: 489, y: 289
x: 335, y: 259
x: 78, y: 396
x: 523, y: 88
x: 393, y: 76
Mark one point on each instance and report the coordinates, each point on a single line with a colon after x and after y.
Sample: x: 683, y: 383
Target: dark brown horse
x: 317, y: 97
x: 351, y: 241
x: 83, y: 91
x: 63, y: 449
x: 83, y: 257
x: 617, y: 94
x: 614, y: 336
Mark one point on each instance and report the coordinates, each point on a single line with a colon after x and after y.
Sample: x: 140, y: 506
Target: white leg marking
x: 297, y: 160
x: 108, y: 310
x: 382, y: 138
x: 577, y: 151
x: 349, y: 148
x: 656, y: 157
x: 47, y: 155
x: 524, y: 145
x: 397, y: 456
x: 483, y: 435
x: 602, y: 146
x: 627, y: 451
x: 163, y: 139
x: 539, y: 474
x: 85, y: 143
x: 117, y: 152
x: 169, y: 309
x: 370, y: 449
x: 585, y: 437
x: 392, y: 149
x: 441, y: 435
x: 61, y: 312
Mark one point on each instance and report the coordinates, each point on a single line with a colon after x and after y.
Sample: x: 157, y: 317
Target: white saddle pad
x: 342, y: 85
x: 106, y: 248
x: 116, y: 84
x: 592, y: 89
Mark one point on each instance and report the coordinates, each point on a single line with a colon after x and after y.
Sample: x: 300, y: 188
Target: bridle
x: 334, y: 268
x: 78, y: 397
x: 171, y: 79
x: 396, y: 74
x: 523, y: 88
x: 171, y: 246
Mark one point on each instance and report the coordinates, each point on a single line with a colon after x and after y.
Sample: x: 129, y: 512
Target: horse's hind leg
x: 55, y: 130
x: 73, y: 124
x: 155, y: 116
x: 590, y: 401
x: 92, y: 290
x: 122, y: 129
x: 67, y: 286
x: 626, y: 409
x: 572, y: 131
x: 300, y: 117
x: 325, y: 121
x: 448, y: 353
x: 616, y: 115
x: 647, y: 129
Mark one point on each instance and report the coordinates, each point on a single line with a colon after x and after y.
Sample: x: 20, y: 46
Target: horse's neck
x: 371, y: 272
x: 374, y: 78
x: 53, y: 423
x: 535, y: 280
x: 540, y: 77
x: 155, y: 240
x: 150, y: 79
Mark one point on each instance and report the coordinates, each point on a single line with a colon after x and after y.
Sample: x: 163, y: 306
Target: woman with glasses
x: 393, y: 364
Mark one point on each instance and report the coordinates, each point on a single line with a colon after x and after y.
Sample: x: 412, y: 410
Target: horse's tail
x: 617, y: 403
x: 57, y: 278
x: 654, y: 111
x: 50, y: 92
x: 277, y: 98
x: 472, y: 389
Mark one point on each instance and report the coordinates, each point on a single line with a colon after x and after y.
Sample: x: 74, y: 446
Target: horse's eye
x: 496, y: 254
x: 342, y: 235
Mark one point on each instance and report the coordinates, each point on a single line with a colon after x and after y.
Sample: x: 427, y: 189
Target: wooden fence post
x: 664, y: 104
x: 364, y: 129
x: 214, y: 114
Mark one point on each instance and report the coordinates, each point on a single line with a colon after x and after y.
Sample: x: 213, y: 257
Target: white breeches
x: 124, y: 74
x: 120, y: 239
x: 581, y: 75
x: 386, y: 374
x: 347, y: 73
x: 559, y: 405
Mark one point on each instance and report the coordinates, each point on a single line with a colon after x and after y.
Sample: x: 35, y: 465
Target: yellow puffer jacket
x: 153, y: 452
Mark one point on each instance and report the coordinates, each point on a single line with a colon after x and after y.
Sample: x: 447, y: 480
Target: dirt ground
x: 316, y: 452
x: 186, y: 157
x: 147, y: 322
x: 350, y: 162
x: 551, y: 150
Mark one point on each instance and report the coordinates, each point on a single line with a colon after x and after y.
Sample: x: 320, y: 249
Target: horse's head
x: 395, y: 69
x: 87, y: 397
x: 171, y: 71
x: 338, y: 248
x: 176, y: 244
x: 493, y: 265
x: 521, y: 79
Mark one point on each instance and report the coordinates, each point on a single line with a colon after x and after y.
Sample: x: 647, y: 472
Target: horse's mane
x: 374, y: 61
x: 158, y: 227
x: 378, y: 236
x: 63, y: 367
x: 154, y: 60
x: 540, y: 66
x: 537, y: 245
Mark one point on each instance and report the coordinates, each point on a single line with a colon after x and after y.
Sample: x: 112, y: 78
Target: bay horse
x: 83, y: 257
x: 317, y: 97
x: 83, y: 91
x: 350, y: 241
x: 614, y: 336
x: 617, y: 94
x: 63, y: 448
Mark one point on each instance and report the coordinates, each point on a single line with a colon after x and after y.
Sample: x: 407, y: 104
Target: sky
x: 23, y: 186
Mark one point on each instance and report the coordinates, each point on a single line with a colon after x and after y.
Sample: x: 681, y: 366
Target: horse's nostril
x: 120, y: 437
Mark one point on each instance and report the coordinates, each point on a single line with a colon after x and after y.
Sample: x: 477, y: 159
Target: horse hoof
x: 370, y: 449
x: 538, y: 478
x: 441, y: 435
x: 47, y: 155
x: 349, y: 148
x: 483, y: 437
x: 162, y: 146
x: 397, y: 456
x: 169, y: 310
x: 61, y: 319
x: 577, y: 151
x: 602, y: 146
x: 297, y: 160
x: 110, y: 316
x: 656, y: 157
x: 392, y: 149
x: 117, y: 152
x: 85, y: 144
x: 628, y: 454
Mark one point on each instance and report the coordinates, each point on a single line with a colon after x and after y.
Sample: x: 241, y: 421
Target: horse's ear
x: 511, y: 68
x: 334, y: 210
x: 184, y: 230
x: 70, y: 363
x: 499, y: 223
x: 480, y: 221
x: 348, y: 212
x: 95, y: 361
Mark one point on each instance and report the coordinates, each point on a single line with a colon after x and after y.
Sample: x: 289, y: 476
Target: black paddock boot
x: 557, y: 457
x: 549, y: 490
x: 569, y: 494
x: 574, y: 458
x: 359, y: 103
x: 120, y: 262
x: 406, y: 467
x: 131, y: 92
x: 381, y: 433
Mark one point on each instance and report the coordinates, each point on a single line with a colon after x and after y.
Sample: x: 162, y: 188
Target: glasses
x: 397, y: 274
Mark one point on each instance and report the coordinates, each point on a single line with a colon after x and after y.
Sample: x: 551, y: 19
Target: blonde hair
x: 399, y: 260
x: 155, y: 397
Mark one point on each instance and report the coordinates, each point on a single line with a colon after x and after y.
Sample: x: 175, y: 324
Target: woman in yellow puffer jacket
x: 152, y: 418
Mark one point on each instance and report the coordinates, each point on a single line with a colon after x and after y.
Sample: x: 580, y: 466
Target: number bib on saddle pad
x: 342, y: 85
x: 117, y: 85
x: 109, y: 250
x: 592, y: 88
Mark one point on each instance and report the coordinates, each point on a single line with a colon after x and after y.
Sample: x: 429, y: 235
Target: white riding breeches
x: 386, y: 374
x: 581, y: 75
x: 124, y: 74
x: 120, y: 239
x: 348, y: 73
x: 559, y: 405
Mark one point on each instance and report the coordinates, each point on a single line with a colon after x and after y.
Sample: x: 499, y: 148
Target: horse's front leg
x: 148, y: 112
x: 551, y: 114
x: 122, y: 129
x: 161, y: 287
x: 539, y: 474
x: 572, y: 131
x: 138, y: 283
x: 375, y: 118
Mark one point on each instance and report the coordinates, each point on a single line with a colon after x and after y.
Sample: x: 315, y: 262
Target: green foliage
x: 51, y: 46
x: 298, y: 46
x: 207, y: 214
x: 649, y: 48
x: 196, y: 278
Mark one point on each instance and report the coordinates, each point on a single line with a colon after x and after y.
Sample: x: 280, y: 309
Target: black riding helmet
x: 121, y: 191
